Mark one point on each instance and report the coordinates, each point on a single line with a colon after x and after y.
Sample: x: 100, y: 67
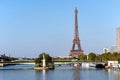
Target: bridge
x: 75, y: 61
x: 56, y: 62
x: 7, y: 63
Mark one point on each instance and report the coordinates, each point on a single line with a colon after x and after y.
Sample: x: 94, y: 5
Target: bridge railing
x: 76, y: 61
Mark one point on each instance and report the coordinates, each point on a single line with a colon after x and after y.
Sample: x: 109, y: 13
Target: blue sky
x: 30, y: 27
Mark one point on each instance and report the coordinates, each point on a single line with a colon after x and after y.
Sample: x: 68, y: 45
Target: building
x: 109, y: 49
x: 118, y: 40
x: 112, y: 49
x: 105, y: 50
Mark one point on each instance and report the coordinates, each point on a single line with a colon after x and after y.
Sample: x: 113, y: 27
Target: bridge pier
x: 1, y: 64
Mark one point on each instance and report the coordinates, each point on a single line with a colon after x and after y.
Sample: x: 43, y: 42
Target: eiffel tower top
x: 76, y: 11
x: 76, y: 24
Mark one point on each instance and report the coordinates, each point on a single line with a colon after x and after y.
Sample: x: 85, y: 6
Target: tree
x: 98, y: 57
x: 91, y: 56
x: 82, y: 57
x: 48, y: 59
x: 107, y: 56
x: 115, y: 56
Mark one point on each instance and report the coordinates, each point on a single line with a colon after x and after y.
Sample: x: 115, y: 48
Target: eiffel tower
x: 75, y: 52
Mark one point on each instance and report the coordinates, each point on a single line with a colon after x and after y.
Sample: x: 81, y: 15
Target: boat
x: 92, y: 65
x: 100, y: 66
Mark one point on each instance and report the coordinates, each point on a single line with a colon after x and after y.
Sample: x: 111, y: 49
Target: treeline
x: 7, y: 58
x: 100, y: 57
x: 104, y: 57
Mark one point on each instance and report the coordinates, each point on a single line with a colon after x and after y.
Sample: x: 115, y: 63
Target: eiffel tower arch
x: 76, y: 41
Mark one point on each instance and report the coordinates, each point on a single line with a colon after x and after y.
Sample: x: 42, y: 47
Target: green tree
x: 91, y: 56
x: 40, y: 58
x: 115, y: 56
x: 98, y: 58
x: 107, y: 56
x: 82, y: 57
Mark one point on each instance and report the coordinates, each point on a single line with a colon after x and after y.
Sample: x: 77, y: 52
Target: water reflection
x: 113, y: 75
x: 76, y: 73
x: 40, y: 74
x: 44, y: 74
x: 23, y: 72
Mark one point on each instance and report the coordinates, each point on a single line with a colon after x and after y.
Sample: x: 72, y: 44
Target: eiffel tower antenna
x: 75, y: 52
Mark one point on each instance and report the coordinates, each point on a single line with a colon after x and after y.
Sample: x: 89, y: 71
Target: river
x: 64, y: 72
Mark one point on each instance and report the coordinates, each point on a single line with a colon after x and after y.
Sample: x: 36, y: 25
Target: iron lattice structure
x: 76, y: 41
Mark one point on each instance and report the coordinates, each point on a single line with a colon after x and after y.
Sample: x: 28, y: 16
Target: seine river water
x: 26, y: 72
